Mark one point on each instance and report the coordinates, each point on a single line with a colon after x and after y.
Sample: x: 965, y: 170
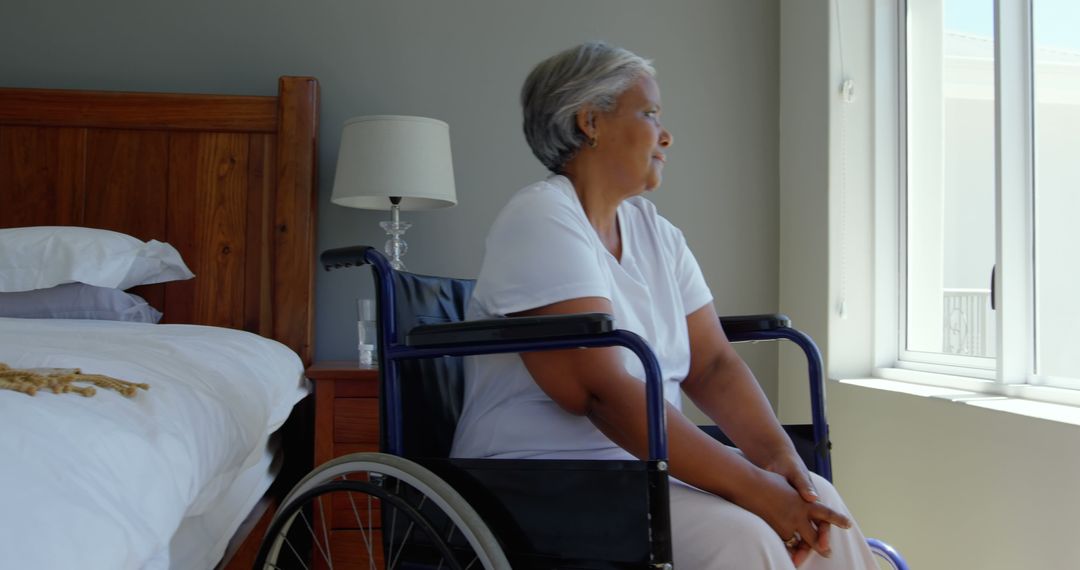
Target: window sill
x: 1043, y: 402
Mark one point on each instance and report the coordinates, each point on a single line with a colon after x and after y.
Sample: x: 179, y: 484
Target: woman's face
x: 630, y: 138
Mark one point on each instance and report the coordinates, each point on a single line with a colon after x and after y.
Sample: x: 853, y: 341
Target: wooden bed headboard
x: 228, y: 180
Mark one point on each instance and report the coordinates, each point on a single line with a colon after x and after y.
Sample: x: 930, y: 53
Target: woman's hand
x: 788, y: 512
x: 789, y: 465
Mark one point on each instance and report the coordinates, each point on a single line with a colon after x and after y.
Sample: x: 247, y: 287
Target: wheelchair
x: 411, y: 506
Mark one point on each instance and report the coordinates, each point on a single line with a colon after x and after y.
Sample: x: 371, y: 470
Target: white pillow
x: 47, y: 256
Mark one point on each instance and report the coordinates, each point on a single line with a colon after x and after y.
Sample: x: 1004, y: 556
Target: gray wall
x: 461, y: 62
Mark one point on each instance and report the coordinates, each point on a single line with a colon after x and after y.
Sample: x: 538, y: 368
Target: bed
x: 183, y: 474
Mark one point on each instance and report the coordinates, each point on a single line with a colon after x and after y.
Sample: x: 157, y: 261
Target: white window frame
x: 1011, y: 373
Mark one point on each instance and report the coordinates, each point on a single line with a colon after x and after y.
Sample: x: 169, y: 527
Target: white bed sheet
x: 105, y: 482
x: 201, y: 540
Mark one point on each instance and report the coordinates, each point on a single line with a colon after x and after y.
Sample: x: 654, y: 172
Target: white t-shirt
x: 542, y: 250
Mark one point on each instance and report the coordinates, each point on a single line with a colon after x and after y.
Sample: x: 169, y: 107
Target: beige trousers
x: 710, y: 533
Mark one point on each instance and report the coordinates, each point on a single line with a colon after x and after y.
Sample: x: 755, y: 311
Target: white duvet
x: 104, y: 482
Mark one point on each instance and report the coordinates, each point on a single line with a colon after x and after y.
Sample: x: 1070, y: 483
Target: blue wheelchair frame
x: 525, y: 334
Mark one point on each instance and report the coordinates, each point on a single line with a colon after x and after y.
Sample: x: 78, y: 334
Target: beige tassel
x: 60, y: 381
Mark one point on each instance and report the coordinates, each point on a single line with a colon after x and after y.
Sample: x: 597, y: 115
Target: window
x: 1057, y: 188
x: 989, y: 159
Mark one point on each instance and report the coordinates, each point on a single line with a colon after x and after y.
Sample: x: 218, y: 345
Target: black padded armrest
x: 754, y: 323
x: 509, y: 328
x: 344, y: 257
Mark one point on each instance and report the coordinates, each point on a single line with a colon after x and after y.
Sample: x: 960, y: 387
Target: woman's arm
x: 722, y: 386
x: 594, y: 383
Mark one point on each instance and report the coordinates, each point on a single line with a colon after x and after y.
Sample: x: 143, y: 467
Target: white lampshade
x: 388, y: 155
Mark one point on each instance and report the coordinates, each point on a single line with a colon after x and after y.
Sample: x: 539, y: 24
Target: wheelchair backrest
x: 432, y: 388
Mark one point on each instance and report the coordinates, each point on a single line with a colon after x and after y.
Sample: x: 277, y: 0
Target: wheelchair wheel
x: 375, y: 511
x: 887, y: 554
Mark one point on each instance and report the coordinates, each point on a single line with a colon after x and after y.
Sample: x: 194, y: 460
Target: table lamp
x: 391, y: 162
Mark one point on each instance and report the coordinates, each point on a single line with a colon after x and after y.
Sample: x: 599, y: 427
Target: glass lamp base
x: 396, y: 246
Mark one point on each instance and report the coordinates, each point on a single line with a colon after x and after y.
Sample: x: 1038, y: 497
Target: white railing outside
x: 969, y: 327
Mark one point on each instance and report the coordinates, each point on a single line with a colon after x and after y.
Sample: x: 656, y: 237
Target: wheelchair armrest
x: 754, y: 323
x: 509, y: 328
x: 344, y: 257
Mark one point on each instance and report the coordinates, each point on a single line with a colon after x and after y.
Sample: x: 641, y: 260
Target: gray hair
x: 558, y: 87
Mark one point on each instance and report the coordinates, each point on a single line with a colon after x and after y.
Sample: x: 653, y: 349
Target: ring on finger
x: 793, y: 541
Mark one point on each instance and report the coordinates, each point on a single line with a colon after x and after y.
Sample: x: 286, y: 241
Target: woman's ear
x: 586, y: 121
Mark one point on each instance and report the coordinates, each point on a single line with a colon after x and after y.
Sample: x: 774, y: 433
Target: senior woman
x: 586, y: 240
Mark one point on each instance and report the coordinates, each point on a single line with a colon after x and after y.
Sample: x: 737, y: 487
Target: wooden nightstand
x: 346, y: 408
x: 346, y: 421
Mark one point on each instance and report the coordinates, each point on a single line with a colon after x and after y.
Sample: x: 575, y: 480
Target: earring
x: 592, y: 142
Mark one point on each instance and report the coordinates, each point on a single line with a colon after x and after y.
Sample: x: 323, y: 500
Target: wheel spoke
x: 314, y: 536
x: 364, y: 536
x: 393, y: 521
x: 408, y: 532
x: 326, y: 535
x: 371, y: 559
x: 299, y: 558
x: 449, y: 535
x: 367, y: 538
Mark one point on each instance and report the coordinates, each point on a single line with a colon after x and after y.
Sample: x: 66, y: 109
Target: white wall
x: 956, y: 486
x: 824, y: 179
x: 804, y: 155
